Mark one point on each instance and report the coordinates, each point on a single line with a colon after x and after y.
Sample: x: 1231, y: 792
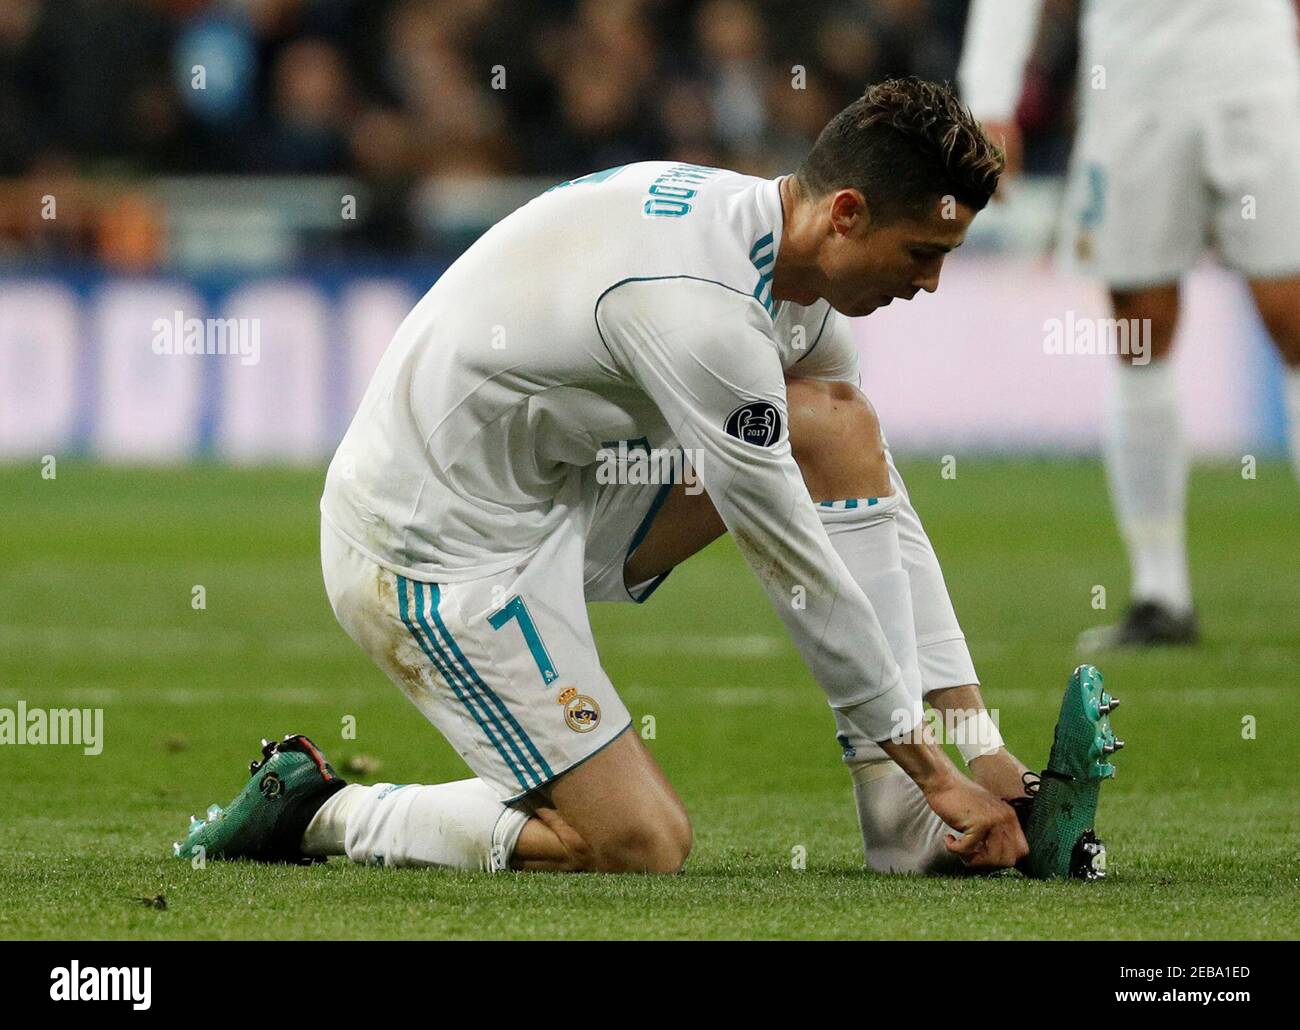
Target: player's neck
x: 797, y: 275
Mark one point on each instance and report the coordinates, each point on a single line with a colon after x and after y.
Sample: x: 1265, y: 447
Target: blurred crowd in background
x: 101, y: 97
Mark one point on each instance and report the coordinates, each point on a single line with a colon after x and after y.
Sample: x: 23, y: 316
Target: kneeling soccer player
x: 658, y: 309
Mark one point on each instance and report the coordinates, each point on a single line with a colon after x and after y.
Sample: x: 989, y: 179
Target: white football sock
x: 865, y: 536
x: 1146, y: 465
x: 458, y: 825
x: 1291, y: 388
x: 326, y: 834
x: 900, y: 832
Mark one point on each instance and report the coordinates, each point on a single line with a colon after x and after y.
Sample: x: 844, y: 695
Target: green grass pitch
x: 96, y: 572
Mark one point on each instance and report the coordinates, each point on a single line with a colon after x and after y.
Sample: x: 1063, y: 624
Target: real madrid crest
x: 580, y: 711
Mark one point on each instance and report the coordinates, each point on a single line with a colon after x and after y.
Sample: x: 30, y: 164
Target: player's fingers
x: 969, y: 843
x: 1005, y: 847
x: 999, y: 852
x: 954, y: 846
x: 996, y: 855
x: 1010, y: 838
x: 1019, y: 844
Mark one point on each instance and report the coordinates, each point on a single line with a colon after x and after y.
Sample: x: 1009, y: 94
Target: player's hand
x: 991, y: 836
x: 1007, y: 135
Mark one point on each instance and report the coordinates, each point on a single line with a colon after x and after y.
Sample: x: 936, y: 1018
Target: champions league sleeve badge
x: 757, y: 423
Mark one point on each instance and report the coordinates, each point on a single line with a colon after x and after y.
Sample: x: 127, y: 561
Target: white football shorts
x: 506, y: 666
x: 1152, y: 186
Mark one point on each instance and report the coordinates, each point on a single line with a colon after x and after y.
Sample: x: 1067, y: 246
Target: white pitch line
x: 161, y: 641
x: 754, y: 645
x: 188, y: 697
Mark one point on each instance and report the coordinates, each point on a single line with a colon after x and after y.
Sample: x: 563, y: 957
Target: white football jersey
x: 1149, y: 51
x: 633, y: 303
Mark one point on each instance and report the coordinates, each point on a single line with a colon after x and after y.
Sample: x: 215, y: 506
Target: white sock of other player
x: 900, y: 833
x: 1146, y: 464
x: 1291, y: 387
x: 457, y: 825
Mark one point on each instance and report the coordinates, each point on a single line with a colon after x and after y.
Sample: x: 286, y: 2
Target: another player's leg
x: 1255, y: 151
x: 1146, y: 465
x: 1278, y: 301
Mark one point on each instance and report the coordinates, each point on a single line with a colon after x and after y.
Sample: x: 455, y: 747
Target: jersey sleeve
x: 832, y: 351
x: 705, y: 355
x: 999, y: 37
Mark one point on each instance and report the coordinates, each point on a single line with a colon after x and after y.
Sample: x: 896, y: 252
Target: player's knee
x: 836, y: 439
x: 1156, y: 311
x: 652, y: 843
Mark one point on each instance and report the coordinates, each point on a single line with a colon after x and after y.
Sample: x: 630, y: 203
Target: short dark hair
x: 903, y: 144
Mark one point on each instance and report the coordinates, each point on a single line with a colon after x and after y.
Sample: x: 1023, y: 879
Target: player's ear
x: 848, y: 209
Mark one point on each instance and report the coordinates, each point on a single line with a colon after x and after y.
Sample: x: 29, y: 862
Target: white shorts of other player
x: 1153, y: 186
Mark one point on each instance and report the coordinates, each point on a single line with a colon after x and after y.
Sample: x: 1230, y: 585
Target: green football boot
x: 1058, y: 817
x: 266, y: 821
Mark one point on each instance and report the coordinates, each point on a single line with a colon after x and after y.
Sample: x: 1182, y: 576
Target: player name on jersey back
x: 501, y: 381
